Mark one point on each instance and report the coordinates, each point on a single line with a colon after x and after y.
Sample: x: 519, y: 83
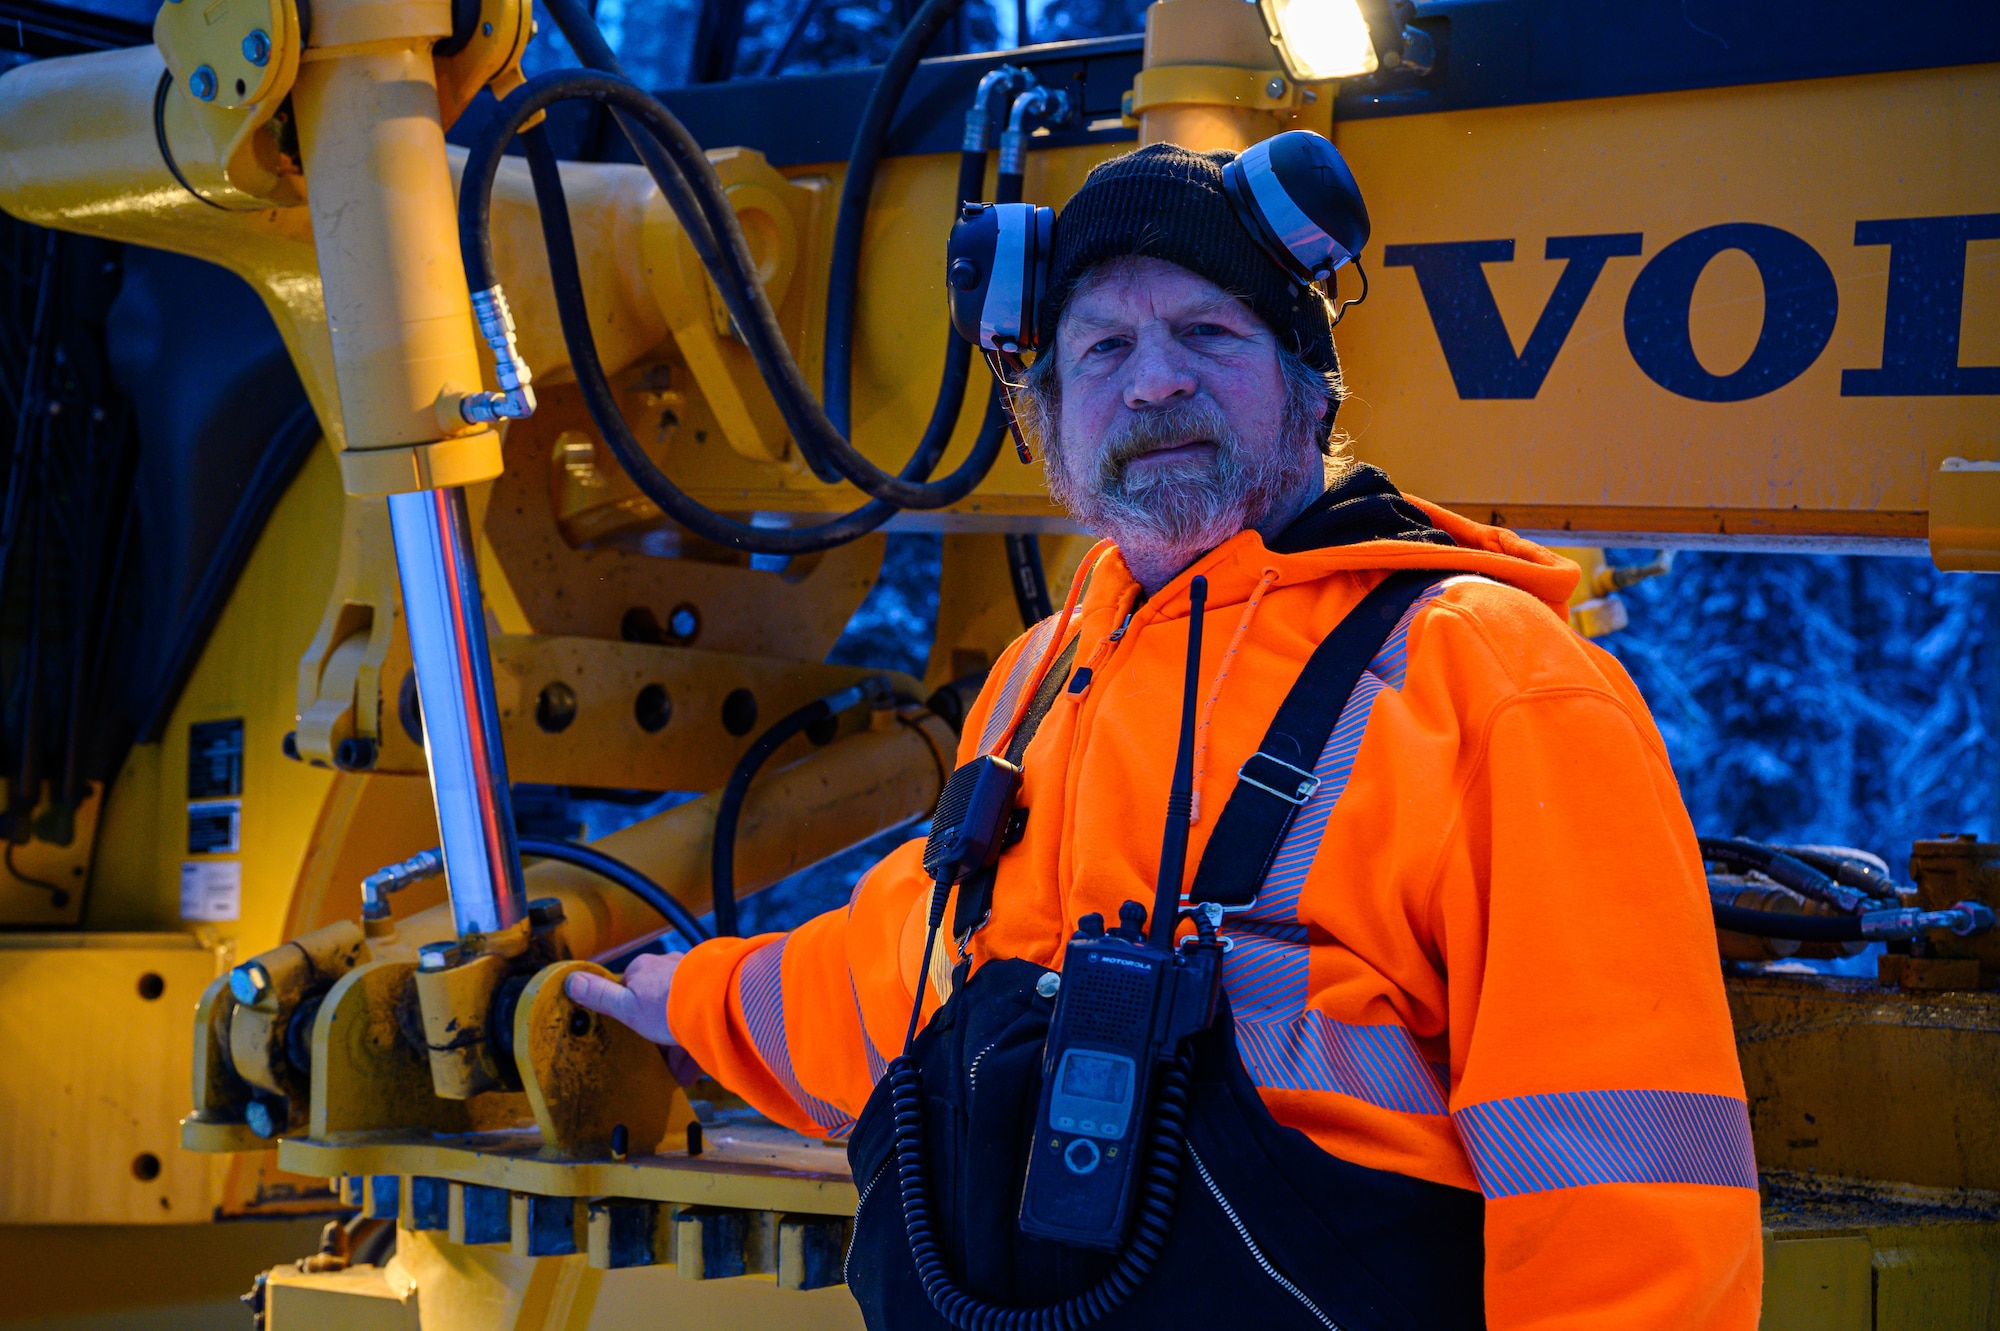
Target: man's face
x: 1176, y: 427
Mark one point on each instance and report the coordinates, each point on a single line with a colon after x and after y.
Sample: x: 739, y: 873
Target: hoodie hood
x: 1363, y: 505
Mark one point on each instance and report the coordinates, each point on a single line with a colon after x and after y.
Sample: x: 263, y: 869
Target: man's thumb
x: 599, y: 994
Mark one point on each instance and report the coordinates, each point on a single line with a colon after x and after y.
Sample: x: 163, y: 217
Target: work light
x: 1320, y: 39
x: 1337, y: 39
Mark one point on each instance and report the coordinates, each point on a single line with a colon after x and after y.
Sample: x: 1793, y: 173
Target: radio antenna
x: 1180, y: 796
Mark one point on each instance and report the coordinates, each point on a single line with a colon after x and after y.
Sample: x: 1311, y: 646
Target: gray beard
x: 1162, y: 523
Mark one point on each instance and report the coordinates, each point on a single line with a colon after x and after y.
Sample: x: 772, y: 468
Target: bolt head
x: 1048, y: 984
x: 545, y: 911
x: 683, y: 622
x: 202, y: 84
x: 1275, y: 88
x: 257, y: 48
x: 262, y: 1120
x: 437, y: 956
x: 249, y: 982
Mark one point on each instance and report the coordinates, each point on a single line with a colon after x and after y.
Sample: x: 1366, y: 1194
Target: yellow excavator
x: 400, y: 438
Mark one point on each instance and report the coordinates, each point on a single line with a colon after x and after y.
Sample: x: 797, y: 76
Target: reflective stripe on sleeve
x: 1538, y: 1143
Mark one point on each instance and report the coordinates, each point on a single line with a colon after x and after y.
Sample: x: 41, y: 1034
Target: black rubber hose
x: 475, y: 243
x: 1781, y: 924
x: 685, y: 176
x: 1840, y: 868
x: 856, y: 188
x: 623, y: 874
x: 1030, y: 581
x: 729, y: 811
x: 1782, y: 869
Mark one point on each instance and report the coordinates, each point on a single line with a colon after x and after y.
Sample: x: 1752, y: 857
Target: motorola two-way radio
x: 1129, y: 999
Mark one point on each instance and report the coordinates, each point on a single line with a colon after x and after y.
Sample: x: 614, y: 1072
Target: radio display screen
x: 1091, y: 1076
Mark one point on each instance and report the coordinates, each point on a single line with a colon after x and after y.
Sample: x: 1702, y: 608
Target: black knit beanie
x: 1166, y: 202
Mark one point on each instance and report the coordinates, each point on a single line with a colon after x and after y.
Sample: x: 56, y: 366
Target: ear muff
x: 997, y: 275
x: 1296, y: 196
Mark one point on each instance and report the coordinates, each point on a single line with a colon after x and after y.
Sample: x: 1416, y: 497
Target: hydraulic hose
x: 623, y: 874
x: 1782, y: 924
x: 686, y: 178
x: 1029, y: 579
x: 856, y: 188
x: 1843, y: 868
x: 1787, y: 871
x: 729, y: 810
x: 1965, y: 919
x: 475, y: 243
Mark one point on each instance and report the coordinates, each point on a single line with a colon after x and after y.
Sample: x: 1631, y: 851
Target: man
x: 1484, y: 957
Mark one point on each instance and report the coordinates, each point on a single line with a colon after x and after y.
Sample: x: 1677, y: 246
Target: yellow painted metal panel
x: 1601, y: 442
x: 96, y: 1079
x: 1817, y: 1284
x: 1937, y: 1277
x: 299, y: 823
x: 1849, y: 1079
x: 361, y: 1298
x: 140, y: 1277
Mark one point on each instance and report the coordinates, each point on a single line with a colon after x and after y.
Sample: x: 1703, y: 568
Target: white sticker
x: 211, y: 889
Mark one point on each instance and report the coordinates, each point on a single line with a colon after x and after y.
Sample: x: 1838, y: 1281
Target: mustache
x: 1196, y: 420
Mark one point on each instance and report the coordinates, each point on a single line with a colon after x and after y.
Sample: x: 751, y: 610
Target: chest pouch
x: 1041, y: 1128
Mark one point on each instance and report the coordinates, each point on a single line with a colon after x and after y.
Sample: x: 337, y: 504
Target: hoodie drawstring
x: 1053, y: 648
x: 1264, y: 584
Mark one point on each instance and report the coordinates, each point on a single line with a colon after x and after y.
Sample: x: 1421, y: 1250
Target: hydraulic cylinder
x: 468, y: 765
x: 383, y: 213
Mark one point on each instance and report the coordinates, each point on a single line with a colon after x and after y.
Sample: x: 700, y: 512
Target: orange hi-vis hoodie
x: 1483, y: 957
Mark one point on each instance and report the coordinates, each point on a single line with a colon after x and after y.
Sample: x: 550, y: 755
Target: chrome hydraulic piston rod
x: 447, y: 625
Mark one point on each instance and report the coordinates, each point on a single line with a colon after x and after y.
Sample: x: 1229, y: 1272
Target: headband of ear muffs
x: 1293, y: 193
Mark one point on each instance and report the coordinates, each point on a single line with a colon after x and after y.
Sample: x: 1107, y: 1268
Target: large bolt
x: 263, y: 1119
x: 249, y: 982
x: 257, y: 48
x: 202, y: 83
x: 437, y: 956
x: 545, y: 911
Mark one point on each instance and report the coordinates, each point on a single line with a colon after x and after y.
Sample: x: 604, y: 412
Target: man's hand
x: 640, y: 1002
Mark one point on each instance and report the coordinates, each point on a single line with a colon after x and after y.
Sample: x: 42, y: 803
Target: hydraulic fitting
x: 377, y: 887
x: 516, y: 398
x: 1965, y: 919
x: 1044, y: 107
x: 1617, y: 577
x: 994, y: 91
x: 437, y: 957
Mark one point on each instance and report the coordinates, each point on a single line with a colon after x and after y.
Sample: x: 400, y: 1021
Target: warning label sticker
x: 211, y: 890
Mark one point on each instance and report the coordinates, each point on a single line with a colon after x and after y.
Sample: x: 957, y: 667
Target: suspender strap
x: 1274, y: 781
